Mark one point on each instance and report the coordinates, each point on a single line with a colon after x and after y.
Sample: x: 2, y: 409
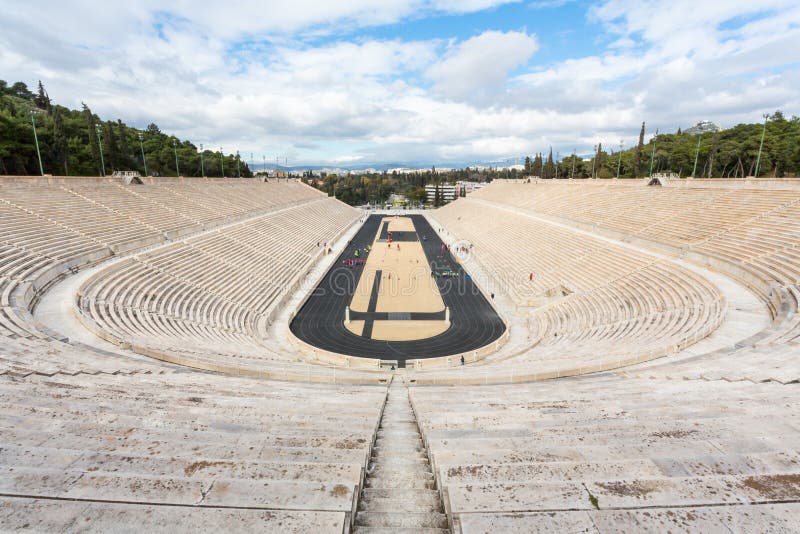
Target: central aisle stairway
x: 399, y: 492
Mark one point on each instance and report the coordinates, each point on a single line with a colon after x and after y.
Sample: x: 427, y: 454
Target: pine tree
x: 637, y: 164
x: 528, y: 166
x: 20, y: 89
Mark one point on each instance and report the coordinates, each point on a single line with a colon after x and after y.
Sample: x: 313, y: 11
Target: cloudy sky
x: 410, y: 81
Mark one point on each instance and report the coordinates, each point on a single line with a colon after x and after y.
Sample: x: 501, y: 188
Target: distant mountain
x: 388, y: 167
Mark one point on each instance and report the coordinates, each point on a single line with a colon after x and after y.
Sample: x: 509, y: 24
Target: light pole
x: 202, y: 167
x: 36, y: 140
x: 175, y: 149
x: 619, y: 161
x: 222, y: 162
x: 653, y: 153
x: 594, y: 160
x: 141, y: 145
x: 264, y: 159
x: 99, y: 130
x: 696, y: 154
x: 761, y: 146
x: 238, y: 172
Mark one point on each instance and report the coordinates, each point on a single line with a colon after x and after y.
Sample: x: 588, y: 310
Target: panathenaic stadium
x: 547, y: 356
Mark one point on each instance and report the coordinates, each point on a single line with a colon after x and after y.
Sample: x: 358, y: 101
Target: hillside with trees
x: 730, y: 153
x: 78, y: 142
x: 70, y: 142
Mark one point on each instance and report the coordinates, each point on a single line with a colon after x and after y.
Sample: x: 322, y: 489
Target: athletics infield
x: 408, y: 297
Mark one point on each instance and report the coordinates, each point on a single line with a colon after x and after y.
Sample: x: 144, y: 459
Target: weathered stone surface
x: 521, y: 523
x: 518, y: 497
x: 65, y: 516
x: 779, y: 518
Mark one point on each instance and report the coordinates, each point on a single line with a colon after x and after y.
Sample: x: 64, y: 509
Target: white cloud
x: 482, y: 61
x: 345, y: 61
x: 247, y: 77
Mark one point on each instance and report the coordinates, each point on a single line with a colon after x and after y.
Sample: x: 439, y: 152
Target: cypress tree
x: 599, y: 156
x: 639, y: 149
x: 125, y: 150
x: 712, y: 153
x: 537, y: 166
x: 92, y: 131
x: 41, y: 100
x: 60, y: 147
x: 113, y: 159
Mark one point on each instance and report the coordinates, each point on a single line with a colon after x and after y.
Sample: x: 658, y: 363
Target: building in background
x: 447, y: 193
x: 703, y: 127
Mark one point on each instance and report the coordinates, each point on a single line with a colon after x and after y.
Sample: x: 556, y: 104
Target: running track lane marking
x: 373, y: 305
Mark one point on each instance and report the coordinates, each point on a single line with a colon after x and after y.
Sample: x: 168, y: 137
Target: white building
x: 447, y: 192
x: 703, y: 127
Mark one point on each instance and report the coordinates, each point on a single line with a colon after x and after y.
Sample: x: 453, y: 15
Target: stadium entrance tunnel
x: 397, y: 293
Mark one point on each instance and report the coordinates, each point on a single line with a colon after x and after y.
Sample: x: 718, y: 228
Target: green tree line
x: 375, y: 187
x: 70, y: 142
x: 730, y: 153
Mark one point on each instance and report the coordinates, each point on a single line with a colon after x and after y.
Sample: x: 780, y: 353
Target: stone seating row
x: 186, y: 439
x: 115, y: 215
x: 62, y: 516
x: 650, y: 298
x: 587, y: 293
x: 49, y: 230
x: 679, y: 216
x: 765, y: 363
x: 604, y: 442
x: 749, y: 233
x: 208, y: 284
x: 208, y: 298
x: 731, y: 518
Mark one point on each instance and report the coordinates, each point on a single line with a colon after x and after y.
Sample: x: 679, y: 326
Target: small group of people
x: 362, y: 251
x: 350, y: 262
x: 444, y: 274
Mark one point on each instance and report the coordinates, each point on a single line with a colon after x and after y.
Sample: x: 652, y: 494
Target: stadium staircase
x: 399, y: 492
